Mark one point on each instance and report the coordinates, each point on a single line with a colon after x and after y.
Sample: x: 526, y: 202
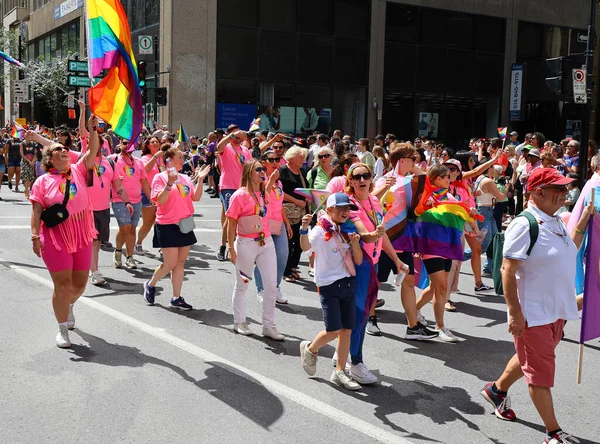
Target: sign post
x: 145, y: 44
x: 516, y: 88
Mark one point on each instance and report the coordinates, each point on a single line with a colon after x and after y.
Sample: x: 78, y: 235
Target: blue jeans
x: 281, y: 250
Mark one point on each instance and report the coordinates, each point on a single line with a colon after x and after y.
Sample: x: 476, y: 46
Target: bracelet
x: 168, y: 187
x: 127, y: 203
x: 35, y: 237
x: 303, y: 231
x: 579, y: 231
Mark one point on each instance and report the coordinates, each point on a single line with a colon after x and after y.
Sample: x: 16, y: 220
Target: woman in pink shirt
x: 152, y: 158
x: 337, y: 180
x: 174, y: 195
x: 66, y: 247
x: 247, y: 219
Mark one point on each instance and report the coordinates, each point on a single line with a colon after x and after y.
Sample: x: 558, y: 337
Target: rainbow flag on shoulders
x: 117, y: 98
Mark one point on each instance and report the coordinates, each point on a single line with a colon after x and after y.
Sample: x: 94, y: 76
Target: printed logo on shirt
x: 72, y: 191
x: 184, y: 190
x: 278, y: 192
x: 129, y: 170
x: 101, y: 170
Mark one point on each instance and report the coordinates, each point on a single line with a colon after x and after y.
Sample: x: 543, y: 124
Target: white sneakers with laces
x: 446, y: 335
x: 62, y: 337
x: 97, y: 278
x: 341, y: 379
x: 130, y: 263
x: 273, y: 333
x: 361, y: 374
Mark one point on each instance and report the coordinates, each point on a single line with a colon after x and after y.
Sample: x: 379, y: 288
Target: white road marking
x: 304, y: 400
x: 115, y: 228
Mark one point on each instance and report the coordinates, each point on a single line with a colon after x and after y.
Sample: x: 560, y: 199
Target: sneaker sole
x: 281, y: 302
x: 488, y: 399
x: 274, y: 339
x: 448, y: 340
x: 180, y: 308
x: 339, y: 384
x: 243, y: 333
x: 64, y: 346
x: 363, y: 381
x: 420, y: 337
x: 99, y: 284
x: 374, y: 333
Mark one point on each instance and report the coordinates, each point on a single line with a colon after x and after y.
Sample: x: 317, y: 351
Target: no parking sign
x: 579, y: 86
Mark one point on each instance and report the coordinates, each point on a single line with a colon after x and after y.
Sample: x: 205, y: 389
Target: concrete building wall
x: 42, y: 20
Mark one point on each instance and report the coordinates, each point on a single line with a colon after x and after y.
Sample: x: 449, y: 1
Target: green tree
x: 49, y: 82
x: 9, y: 43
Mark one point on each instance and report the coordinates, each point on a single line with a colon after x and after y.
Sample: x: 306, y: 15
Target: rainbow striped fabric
x: 10, y: 60
x: 318, y: 197
x: 117, y: 98
x: 17, y: 131
x: 502, y: 132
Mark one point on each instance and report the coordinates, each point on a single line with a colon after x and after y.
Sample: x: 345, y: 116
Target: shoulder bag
x: 57, y: 213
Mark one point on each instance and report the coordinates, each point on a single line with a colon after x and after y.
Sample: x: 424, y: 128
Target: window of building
x: 278, y: 15
x: 315, y: 59
x: 491, y: 34
x: 314, y: 96
x: 400, y: 66
x: 311, y: 21
x: 245, y: 15
x: 401, y: 23
x: 431, y: 69
x: 433, y: 27
x: 237, y: 53
x: 529, y: 42
x: 236, y: 91
x: 272, y: 45
x: 352, y: 19
x: 461, y: 32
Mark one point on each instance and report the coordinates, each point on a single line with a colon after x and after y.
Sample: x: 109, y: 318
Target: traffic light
x: 559, y: 74
x: 141, y: 67
x: 161, y: 96
x: 555, y: 79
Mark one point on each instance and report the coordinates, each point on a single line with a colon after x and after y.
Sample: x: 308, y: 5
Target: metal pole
x: 589, y: 65
x: 155, y: 79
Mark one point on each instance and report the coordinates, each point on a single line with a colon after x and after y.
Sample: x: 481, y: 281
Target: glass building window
x: 351, y: 62
x: 491, y: 34
x: 529, y: 42
x: 315, y: 59
x: 400, y: 66
x: 432, y: 27
x: 401, y: 23
x: 272, y: 45
x: 246, y: 13
x: 236, y: 91
x: 352, y: 19
x: 278, y: 15
x: 460, y: 31
x: 313, y: 23
x: 237, y: 53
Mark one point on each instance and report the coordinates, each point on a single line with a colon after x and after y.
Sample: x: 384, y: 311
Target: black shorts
x: 386, y: 265
x: 170, y: 236
x: 102, y: 223
x: 338, y: 302
x: 436, y: 264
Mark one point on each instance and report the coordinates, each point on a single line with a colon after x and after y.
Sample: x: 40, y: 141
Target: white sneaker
x: 71, y: 318
x: 341, y: 379
x: 139, y: 250
x: 348, y: 362
x: 242, y: 329
x: 97, y: 278
x: 271, y: 332
x: 311, y: 272
x: 446, y: 335
x: 259, y: 297
x: 62, y: 337
x: 118, y: 258
x: 280, y: 297
x: 308, y: 359
x: 361, y: 374
x: 421, y: 318
x: 130, y: 263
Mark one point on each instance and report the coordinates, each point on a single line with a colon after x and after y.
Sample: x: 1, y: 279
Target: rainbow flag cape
x: 117, y: 98
x: 318, y: 197
x: 398, y: 208
x: 10, y: 60
x: 255, y: 125
x: 502, y: 132
x: 182, y: 137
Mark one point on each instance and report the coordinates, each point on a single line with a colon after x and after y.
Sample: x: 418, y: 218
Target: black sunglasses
x: 324, y: 156
x: 365, y: 176
x: 452, y: 169
x: 413, y: 158
x: 261, y: 170
x: 273, y: 159
x: 278, y: 147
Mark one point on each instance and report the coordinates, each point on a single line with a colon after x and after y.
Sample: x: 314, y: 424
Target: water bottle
x: 171, y: 169
x: 482, y: 233
x: 400, y: 278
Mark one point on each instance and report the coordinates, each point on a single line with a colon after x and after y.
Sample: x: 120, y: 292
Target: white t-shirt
x: 329, y: 262
x: 546, y: 278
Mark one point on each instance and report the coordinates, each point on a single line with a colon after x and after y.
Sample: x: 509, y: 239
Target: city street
x: 139, y: 374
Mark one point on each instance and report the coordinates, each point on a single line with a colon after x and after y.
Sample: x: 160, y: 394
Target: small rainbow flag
x: 502, y: 132
x: 10, y: 60
x: 318, y: 197
x: 255, y: 125
x: 117, y: 98
x: 182, y: 135
x: 298, y: 141
x: 17, y: 131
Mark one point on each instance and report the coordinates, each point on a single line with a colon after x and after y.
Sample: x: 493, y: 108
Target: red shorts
x: 535, y: 349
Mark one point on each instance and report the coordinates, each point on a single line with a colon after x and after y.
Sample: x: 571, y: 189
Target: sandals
x: 290, y: 278
x: 295, y: 274
x: 450, y: 306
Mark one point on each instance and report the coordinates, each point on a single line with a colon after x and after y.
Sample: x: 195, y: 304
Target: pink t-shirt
x: 180, y: 203
x: 157, y: 168
x: 242, y: 204
x: 275, y: 211
x: 131, y: 172
x: 336, y: 185
x: 49, y: 189
x: 74, y: 156
x: 100, y: 192
x: 232, y: 163
x: 369, y: 213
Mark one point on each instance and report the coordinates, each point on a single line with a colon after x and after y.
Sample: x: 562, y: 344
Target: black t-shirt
x: 291, y: 181
x: 14, y: 149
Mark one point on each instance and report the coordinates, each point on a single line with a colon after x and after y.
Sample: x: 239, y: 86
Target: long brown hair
x: 346, y: 159
x: 246, y: 181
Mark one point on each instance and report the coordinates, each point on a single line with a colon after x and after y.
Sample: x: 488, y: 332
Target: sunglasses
x: 557, y: 188
x: 324, y: 156
x: 261, y: 170
x: 273, y: 159
x: 365, y: 176
x: 452, y: 169
x: 278, y: 147
x: 413, y: 158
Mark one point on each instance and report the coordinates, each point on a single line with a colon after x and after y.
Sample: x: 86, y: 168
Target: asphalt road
x: 139, y: 374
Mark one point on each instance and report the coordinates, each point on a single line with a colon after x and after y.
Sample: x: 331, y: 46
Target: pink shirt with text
x: 232, y: 163
x: 131, y: 172
x: 180, y: 203
x: 242, y: 204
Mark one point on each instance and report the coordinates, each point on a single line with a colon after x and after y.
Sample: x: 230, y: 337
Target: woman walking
x: 249, y: 235
x: 174, y: 195
x: 65, y: 245
x: 28, y: 156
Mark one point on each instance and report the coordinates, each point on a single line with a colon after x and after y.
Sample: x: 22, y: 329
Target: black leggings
x: 295, y: 250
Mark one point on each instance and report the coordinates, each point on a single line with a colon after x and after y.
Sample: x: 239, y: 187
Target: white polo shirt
x: 329, y: 261
x: 546, y: 278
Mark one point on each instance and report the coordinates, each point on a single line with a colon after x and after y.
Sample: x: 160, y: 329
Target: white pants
x: 249, y: 252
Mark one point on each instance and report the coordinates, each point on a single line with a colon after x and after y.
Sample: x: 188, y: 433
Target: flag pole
x: 580, y: 357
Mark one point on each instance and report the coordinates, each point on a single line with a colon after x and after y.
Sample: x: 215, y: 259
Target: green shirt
x: 320, y: 179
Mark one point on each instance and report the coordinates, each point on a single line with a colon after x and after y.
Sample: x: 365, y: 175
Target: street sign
x: 582, y: 38
x: 516, y: 85
x: 75, y: 66
x: 22, y: 89
x: 19, y: 99
x: 579, y: 86
x: 81, y: 81
x: 70, y: 101
x: 145, y: 44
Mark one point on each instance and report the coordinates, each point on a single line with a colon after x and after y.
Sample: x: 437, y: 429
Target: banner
x: 590, y: 327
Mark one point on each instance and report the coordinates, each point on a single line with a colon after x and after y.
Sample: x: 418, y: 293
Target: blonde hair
x: 294, y: 151
x: 246, y: 181
x: 349, y: 189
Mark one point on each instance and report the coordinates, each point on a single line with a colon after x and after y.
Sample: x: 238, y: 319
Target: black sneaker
x: 149, y: 293
x: 180, y: 304
x: 379, y: 303
x: 483, y: 287
x: 9, y: 185
x: 221, y: 254
x: 420, y: 333
x: 372, y: 327
x: 215, y: 196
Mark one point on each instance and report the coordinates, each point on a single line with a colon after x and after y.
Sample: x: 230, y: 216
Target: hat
x: 546, y: 176
x: 514, y: 133
x: 340, y: 200
x: 220, y: 131
x: 454, y: 162
x: 533, y: 152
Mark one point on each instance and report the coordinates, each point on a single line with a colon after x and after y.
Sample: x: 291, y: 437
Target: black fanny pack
x: 57, y: 213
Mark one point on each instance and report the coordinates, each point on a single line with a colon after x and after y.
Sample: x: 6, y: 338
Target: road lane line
x: 304, y: 400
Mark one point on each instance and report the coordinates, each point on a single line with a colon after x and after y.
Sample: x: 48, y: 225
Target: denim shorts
x: 14, y: 161
x: 2, y: 166
x: 226, y: 197
x: 122, y: 213
x: 145, y: 201
x: 338, y: 302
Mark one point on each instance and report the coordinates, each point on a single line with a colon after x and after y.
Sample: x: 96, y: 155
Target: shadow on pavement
x: 497, y: 317
x: 222, y: 382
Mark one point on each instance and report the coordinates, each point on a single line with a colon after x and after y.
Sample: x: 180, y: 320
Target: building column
x: 189, y: 52
x: 376, y: 68
x: 510, y: 57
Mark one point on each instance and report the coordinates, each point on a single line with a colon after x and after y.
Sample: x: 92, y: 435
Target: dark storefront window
x: 444, y: 73
x: 302, y: 64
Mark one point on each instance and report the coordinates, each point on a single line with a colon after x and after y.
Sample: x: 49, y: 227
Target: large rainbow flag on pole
x: 117, y: 98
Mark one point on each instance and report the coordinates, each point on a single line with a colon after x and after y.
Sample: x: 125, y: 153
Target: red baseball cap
x: 541, y: 177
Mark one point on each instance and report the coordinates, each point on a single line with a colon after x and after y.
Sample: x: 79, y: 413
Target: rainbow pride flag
x: 17, y: 132
x: 10, y: 60
x: 117, y: 98
x: 318, y: 197
x: 502, y: 132
x: 255, y: 125
x: 182, y: 135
